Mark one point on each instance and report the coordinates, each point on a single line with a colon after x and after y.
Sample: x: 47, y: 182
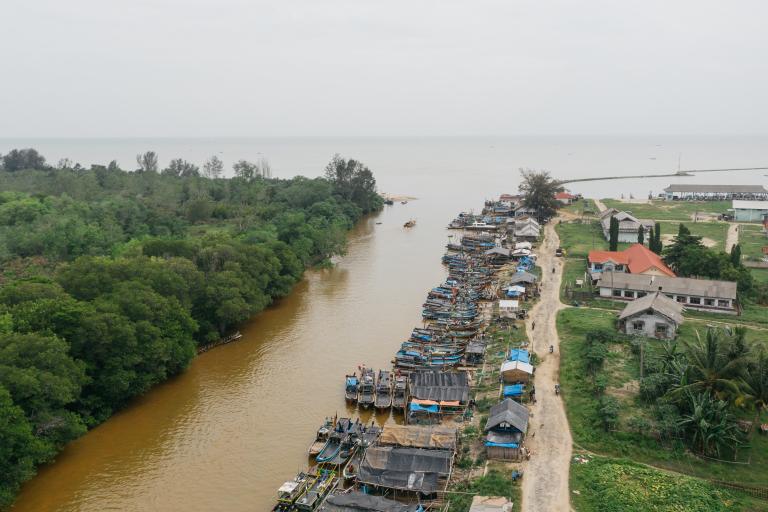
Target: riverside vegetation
x: 111, y: 279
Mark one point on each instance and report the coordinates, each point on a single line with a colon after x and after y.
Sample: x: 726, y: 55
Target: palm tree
x: 755, y: 384
x: 709, y: 426
x: 713, y: 367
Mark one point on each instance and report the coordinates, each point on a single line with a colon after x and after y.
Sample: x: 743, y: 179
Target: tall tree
x: 213, y: 168
x: 652, y: 239
x: 736, y: 255
x: 657, y: 245
x: 20, y: 159
x: 180, y: 167
x: 539, y: 189
x: 676, y: 254
x: 19, y: 450
x: 147, y: 162
x: 245, y: 169
x: 613, y: 234
x: 641, y: 235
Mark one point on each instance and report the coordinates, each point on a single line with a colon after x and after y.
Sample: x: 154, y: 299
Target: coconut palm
x: 713, y: 367
x: 755, y: 384
x: 708, y: 426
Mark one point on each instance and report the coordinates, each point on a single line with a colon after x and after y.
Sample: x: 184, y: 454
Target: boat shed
x: 516, y: 371
x: 505, y: 429
x: 358, y: 501
x: 524, y: 278
x: 490, y: 504
x: 715, y: 192
x: 750, y: 211
x: 417, y: 436
x: 474, y: 352
x: 408, y: 469
x: 653, y: 316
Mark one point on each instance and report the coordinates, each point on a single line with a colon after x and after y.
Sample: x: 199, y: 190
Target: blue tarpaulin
x: 418, y: 408
x: 351, y: 381
x: 513, y: 390
x: 519, y: 354
x: 502, y: 445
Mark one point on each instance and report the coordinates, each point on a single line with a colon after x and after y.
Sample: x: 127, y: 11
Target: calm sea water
x: 226, y: 433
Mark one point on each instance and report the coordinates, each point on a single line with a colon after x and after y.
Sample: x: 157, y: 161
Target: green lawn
x: 580, y: 238
x: 620, y: 485
x: 583, y: 207
x: 715, y: 231
x: 622, y: 367
x: 495, y: 483
x: 760, y: 274
x: 670, y: 210
x: 752, y: 240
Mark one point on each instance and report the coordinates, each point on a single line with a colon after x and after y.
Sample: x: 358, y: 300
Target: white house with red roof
x: 637, y: 259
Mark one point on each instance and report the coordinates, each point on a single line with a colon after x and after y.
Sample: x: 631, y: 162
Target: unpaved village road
x: 545, y: 477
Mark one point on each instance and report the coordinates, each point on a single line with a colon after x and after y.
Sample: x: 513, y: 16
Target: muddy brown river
x: 226, y: 433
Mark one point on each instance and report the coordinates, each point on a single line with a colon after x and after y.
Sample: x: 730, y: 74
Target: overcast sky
x: 337, y: 67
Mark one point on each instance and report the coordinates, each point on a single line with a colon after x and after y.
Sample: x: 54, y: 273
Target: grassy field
x: 622, y: 370
x: 715, y: 231
x: 495, y: 483
x: 752, y: 240
x: 580, y: 238
x: 760, y: 274
x: 608, y: 485
x: 670, y: 210
x: 583, y: 207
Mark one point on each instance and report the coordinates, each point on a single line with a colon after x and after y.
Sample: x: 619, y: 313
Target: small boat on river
x: 410, y: 223
x: 321, y: 438
x: 399, y: 394
x: 368, y: 436
x: 332, y: 446
x: 351, y: 388
x: 367, y: 394
x: 383, y: 391
x: 289, y: 492
x: 318, y: 486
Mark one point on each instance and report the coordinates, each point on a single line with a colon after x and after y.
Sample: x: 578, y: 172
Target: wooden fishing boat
x: 332, y: 447
x: 367, y: 393
x: 318, y: 486
x: 289, y: 492
x: 399, y: 395
x: 351, y: 385
x: 383, y: 398
x: 410, y: 223
x: 321, y: 438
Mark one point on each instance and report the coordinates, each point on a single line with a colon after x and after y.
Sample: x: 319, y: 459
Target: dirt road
x: 545, y: 481
x: 600, y: 205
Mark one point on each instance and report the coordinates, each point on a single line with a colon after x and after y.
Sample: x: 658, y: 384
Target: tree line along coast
x: 112, y: 279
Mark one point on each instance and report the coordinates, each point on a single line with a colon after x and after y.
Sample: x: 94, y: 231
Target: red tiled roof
x: 603, y: 256
x: 564, y: 195
x: 638, y: 257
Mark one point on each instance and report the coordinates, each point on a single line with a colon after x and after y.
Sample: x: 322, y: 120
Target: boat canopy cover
x: 519, y: 354
x: 440, y: 386
x: 513, y: 390
x: 415, y: 436
x: 413, y: 469
x: 423, y: 402
x: 359, y: 502
x: 351, y: 381
x: 288, y: 487
x: 414, y: 407
x: 511, y: 366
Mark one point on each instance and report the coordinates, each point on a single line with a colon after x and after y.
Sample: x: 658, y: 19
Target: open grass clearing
x: 670, y: 210
x: 752, y: 239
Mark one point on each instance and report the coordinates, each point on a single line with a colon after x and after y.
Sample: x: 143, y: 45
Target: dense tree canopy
x: 539, y: 189
x: 113, y: 279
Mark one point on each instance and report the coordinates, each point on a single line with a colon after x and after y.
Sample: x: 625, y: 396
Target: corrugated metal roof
x: 657, y: 302
x: 508, y: 411
x: 716, y: 189
x: 675, y: 285
x: 749, y: 205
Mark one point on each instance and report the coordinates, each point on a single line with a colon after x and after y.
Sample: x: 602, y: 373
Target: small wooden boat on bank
x: 289, y: 492
x: 319, y: 485
x: 367, y: 395
x: 368, y: 436
x: 383, y: 391
x: 351, y: 385
x: 400, y: 392
x: 321, y: 438
x: 332, y: 446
